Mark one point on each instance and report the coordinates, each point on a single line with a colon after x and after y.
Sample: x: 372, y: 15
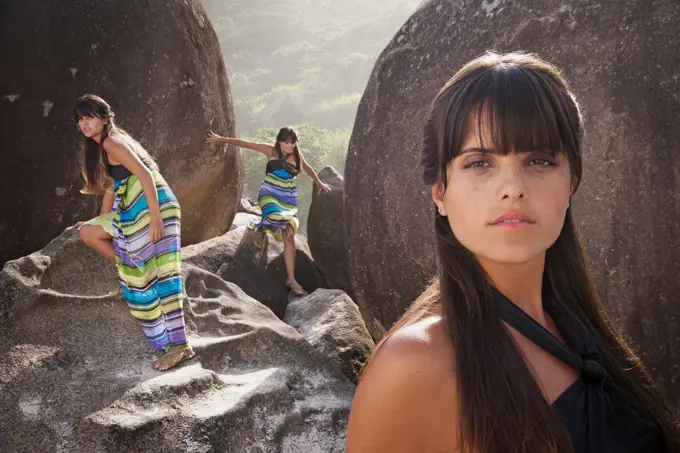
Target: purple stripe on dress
x: 132, y: 247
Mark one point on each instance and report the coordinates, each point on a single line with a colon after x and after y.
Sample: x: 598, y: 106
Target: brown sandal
x: 173, y: 357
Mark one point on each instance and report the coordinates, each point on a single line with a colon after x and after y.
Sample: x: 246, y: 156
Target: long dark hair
x: 285, y: 134
x: 93, y: 158
x: 527, y: 103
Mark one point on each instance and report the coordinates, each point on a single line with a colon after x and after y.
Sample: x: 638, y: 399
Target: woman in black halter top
x: 510, y: 349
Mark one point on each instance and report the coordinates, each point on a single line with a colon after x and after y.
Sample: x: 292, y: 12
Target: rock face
x: 243, y: 219
x: 76, y: 375
x: 628, y: 204
x: 331, y: 322
x: 159, y: 65
x: 255, y: 266
x: 248, y: 206
x: 326, y: 231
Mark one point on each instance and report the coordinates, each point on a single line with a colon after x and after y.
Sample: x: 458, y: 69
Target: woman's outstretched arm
x: 312, y: 174
x: 214, y: 139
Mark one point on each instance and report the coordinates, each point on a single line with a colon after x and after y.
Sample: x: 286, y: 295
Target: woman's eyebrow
x: 477, y: 150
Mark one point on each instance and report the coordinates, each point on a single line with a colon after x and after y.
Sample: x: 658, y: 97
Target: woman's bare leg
x: 289, y: 252
x: 99, y: 240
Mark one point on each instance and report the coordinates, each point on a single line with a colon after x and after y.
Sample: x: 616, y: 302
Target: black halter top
x: 600, y: 415
x: 118, y: 171
x: 282, y: 164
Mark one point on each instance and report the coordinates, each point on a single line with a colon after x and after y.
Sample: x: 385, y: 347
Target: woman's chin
x: 512, y: 255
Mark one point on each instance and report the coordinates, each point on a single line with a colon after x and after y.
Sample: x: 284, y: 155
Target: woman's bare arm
x: 107, y: 202
x: 119, y: 152
x: 312, y: 174
x: 263, y: 148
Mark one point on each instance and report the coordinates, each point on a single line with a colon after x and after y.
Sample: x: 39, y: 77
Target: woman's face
x: 287, y: 146
x: 91, y: 126
x: 505, y: 209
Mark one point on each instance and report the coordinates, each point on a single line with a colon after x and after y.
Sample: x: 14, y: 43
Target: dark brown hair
x: 527, y: 104
x: 285, y: 134
x: 93, y: 157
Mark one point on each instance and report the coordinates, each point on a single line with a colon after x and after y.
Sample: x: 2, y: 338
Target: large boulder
x: 621, y: 60
x: 159, y: 65
x: 76, y: 375
x: 243, y: 219
x: 326, y: 231
x: 256, y: 265
x: 330, y: 320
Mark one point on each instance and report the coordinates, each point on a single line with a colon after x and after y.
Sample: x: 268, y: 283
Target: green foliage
x: 304, y: 62
x: 258, y: 103
x: 338, y: 103
x: 324, y: 49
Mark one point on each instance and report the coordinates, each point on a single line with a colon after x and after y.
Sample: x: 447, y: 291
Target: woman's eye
x: 477, y: 164
x: 542, y: 162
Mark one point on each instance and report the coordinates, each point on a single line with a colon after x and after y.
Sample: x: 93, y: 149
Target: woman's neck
x: 521, y: 283
x: 98, y: 138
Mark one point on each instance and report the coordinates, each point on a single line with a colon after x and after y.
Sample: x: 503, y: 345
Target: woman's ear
x: 438, y: 197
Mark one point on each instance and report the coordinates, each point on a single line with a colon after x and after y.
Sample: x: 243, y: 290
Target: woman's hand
x: 214, y: 139
x: 156, y: 228
x: 324, y: 188
x: 76, y: 226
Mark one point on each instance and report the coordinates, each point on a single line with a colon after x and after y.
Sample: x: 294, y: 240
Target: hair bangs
x: 85, y: 108
x: 511, y: 108
x: 517, y: 117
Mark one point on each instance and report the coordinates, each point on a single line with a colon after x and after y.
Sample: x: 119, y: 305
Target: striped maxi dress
x: 278, y: 200
x: 149, y: 274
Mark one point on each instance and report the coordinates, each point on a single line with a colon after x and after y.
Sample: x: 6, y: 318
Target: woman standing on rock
x: 278, y: 194
x: 138, y: 229
x: 511, y: 351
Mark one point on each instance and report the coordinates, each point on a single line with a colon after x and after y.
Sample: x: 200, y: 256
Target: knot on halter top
x: 600, y: 415
x: 593, y: 372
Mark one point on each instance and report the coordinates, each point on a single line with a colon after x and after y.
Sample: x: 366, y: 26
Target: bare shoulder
x: 268, y: 150
x: 119, y: 138
x: 114, y: 141
x: 116, y: 144
x: 406, y: 399
x: 419, y: 345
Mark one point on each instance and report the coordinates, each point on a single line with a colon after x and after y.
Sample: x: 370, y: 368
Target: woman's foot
x: 295, y: 287
x: 173, y: 357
